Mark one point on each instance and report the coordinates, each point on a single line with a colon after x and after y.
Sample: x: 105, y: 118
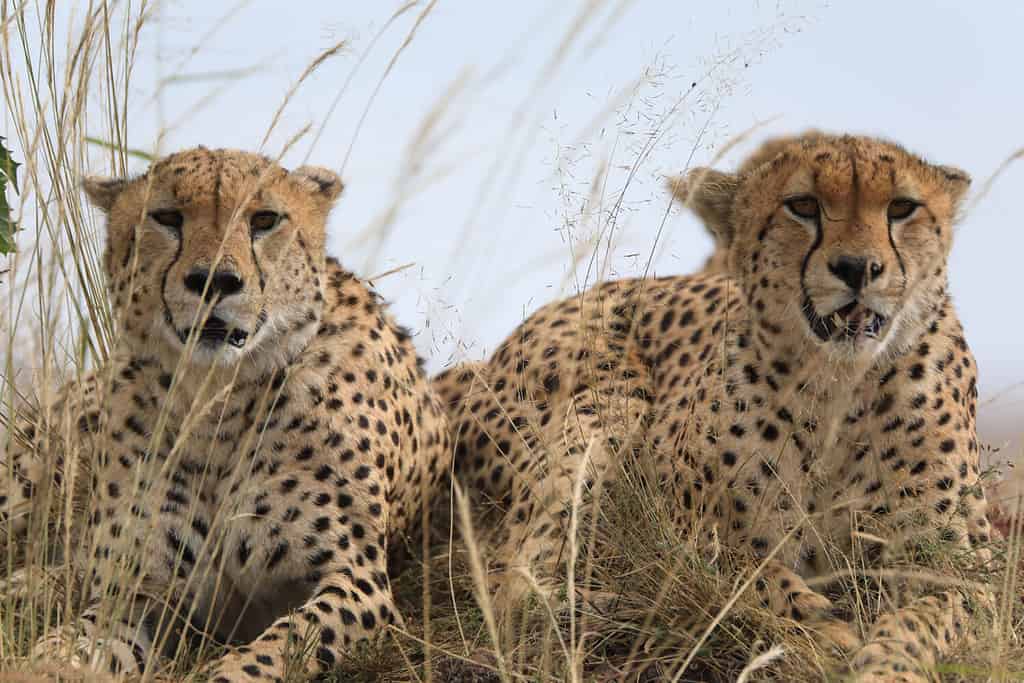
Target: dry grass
x: 642, y: 602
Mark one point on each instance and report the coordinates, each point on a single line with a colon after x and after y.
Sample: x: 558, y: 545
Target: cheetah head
x: 843, y: 237
x: 217, y: 252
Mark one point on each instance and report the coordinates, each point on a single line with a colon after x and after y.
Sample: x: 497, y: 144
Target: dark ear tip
x: 957, y: 182
x: 955, y: 175
x: 321, y: 181
x: 707, y: 181
x: 683, y: 187
x: 328, y: 186
x: 676, y: 185
x: 102, y: 191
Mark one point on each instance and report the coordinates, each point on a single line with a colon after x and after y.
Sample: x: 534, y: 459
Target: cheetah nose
x: 855, y: 270
x: 223, y: 283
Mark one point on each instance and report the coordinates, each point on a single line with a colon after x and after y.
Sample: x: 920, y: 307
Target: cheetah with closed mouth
x: 811, y: 399
x: 261, y: 432
x: 718, y: 260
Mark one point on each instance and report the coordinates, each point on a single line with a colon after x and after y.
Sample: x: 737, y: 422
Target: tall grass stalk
x: 640, y: 600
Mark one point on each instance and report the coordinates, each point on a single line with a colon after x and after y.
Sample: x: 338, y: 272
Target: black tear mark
x: 256, y: 261
x: 818, y: 234
x: 168, y: 318
x: 899, y: 257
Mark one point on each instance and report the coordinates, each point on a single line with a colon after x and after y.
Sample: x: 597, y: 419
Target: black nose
x: 224, y: 283
x: 855, y: 270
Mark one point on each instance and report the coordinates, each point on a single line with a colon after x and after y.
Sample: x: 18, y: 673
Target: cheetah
x: 811, y: 399
x: 261, y: 432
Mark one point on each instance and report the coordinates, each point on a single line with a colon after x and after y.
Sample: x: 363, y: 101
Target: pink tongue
x: 856, y: 318
x: 855, y: 321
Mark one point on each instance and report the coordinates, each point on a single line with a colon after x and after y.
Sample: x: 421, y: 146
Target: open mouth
x: 216, y: 332
x: 852, y: 321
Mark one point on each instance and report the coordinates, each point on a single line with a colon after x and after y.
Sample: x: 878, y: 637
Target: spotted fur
x: 813, y: 392
x: 261, y: 433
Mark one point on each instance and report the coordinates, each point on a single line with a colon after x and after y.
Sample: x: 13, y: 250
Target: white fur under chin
x: 905, y: 326
x: 273, y: 346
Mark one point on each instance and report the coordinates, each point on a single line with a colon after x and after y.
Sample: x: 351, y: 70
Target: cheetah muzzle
x: 216, y: 332
x: 851, y: 323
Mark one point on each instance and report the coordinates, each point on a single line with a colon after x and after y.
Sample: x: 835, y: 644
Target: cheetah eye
x: 900, y: 209
x: 169, y: 218
x: 804, y: 206
x: 263, y: 222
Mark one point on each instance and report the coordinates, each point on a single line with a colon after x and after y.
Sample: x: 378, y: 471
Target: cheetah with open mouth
x: 811, y: 389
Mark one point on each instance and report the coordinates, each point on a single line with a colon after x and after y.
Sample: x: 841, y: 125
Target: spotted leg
x: 22, y: 474
x: 786, y: 594
x: 338, y: 557
x: 32, y: 454
x: 909, y: 643
x: 145, y: 571
x: 906, y: 645
x: 339, y: 614
x: 582, y: 438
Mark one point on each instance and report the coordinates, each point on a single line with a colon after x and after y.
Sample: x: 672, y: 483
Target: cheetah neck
x: 194, y: 399
x: 818, y: 387
x: 815, y: 389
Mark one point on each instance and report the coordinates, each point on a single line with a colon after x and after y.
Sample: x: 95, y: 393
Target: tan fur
x: 256, y: 485
x: 767, y: 426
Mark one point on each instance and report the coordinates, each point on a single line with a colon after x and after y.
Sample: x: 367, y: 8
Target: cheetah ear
x: 102, y: 191
x: 322, y: 182
x: 709, y: 194
x: 957, y: 183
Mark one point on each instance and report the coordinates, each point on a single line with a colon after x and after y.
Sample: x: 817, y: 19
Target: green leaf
x: 8, y: 167
x: 137, y: 153
x: 8, y: 174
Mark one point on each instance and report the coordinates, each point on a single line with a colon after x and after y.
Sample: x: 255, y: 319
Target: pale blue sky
x: 516, y: 147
